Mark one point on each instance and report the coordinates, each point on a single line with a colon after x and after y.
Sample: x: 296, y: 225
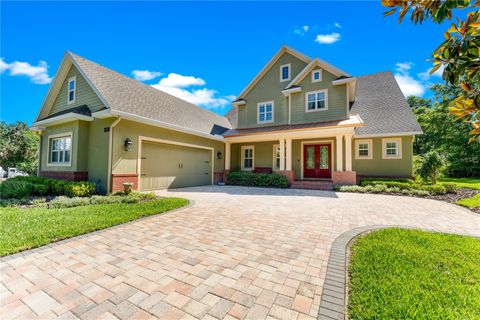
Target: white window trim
x: 399, y: 148
x: 258, y: 112
x: 56, y: 136
x: 289, y: 65
x: 321, y: 75
x: 242, y: 157
x: 369, y: 142
x: 317, y: 91
x: 274, y: 158
x: 74, y: 78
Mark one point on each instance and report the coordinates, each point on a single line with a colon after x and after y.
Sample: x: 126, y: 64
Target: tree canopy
x: 18, y: 147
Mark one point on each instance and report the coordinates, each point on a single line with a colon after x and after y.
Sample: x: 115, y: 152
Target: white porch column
x: 282, y: 155
x: 227, y: 155
x: 339, y: 153
x: 348, y: 152
x: 288, y: 160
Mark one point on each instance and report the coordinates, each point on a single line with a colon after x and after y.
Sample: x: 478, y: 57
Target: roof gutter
x: 397, y: 134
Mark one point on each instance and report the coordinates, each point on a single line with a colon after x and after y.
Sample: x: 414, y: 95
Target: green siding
x: 385, y: 167
x: 337, y: 100
x: 267, y: 89
x: 263, y: 154
x: 84, y: 95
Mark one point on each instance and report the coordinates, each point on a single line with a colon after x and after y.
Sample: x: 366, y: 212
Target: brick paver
x: 237, y: 253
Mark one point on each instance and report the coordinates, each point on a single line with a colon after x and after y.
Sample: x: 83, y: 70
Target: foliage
x: 429, y: 167
x: 459, y: 54
x: 472, y: 202
x: 412, y: 274
x: 251, y: 179
x: 21, y: 187
x: 18, y: 147
x: 443, y: 134
x: 469, y: 183
x: 412, y: 190
x: 22, y: 229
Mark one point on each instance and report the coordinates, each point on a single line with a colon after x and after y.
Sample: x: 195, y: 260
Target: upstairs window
x: 316, y: 75
x: 265, y: 112
x: 247, y: 157
x: 316, y: 101
x: 285, y: 72
x: 392, y: 148
x: 60, y: 150
x: 71, y: 89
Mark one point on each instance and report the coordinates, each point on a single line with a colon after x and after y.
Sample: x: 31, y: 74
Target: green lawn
x: 471, y: 202
x: 471, y: 183
x: 411, y: 274
x: 22, y: 229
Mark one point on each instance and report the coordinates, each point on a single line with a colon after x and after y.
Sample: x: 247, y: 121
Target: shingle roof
x: 84, y: 110
x: 382, y: 106
x: 125, y: 94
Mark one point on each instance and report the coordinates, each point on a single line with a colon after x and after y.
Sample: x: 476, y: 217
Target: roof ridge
x: 76, y: 56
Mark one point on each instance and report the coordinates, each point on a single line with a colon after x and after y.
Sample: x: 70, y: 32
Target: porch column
x: 288, y: 160
x: 339, y: 153
x: 227, y: 155
x: 282, y: 154
x: 348, y: 152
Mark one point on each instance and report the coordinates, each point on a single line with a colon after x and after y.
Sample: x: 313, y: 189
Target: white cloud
x: 301, y: 30
x: 178, y: 85
x: 37, y: 74
x: 425, y: 76
x: 328, y: 38
x: 338, y: 25
x: 145, y: 75
x: 407, y: 83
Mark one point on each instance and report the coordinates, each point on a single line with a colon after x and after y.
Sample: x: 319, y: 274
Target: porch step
x: 312, y: 184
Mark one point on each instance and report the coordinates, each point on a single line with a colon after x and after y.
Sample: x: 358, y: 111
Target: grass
x: 470, y: 183
x: 22, y: 229
x: 472, y: 202
x: 411, y: 274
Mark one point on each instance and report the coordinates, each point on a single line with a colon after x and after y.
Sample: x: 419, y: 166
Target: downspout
x: 289, y: 108
x: 110, y: 153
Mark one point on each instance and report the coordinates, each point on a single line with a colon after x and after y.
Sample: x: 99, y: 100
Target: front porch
x: 304, y: 157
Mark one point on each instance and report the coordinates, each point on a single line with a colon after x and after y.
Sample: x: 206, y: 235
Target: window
x: 276, y: 156
x: 60, y: 149
x: 363, y: 149
x: 392, y: 148
x: 316, y: 101
x: 247, y: 157
x: 285, y: 72
x: 316, y: 75
x: 265, y: 112
x: 71, y: 89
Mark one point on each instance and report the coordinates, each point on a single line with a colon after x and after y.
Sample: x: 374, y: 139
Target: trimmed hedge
x: 21, y: 187
x: 250, y: 179
x: 405, y: 185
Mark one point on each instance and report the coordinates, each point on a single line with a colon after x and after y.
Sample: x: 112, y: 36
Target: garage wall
x: 124, y: 162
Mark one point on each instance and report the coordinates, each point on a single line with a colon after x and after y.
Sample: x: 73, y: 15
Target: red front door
x: 317, y: 161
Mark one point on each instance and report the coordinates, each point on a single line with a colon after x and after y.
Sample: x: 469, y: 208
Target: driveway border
x: 27, y: 252
x: 334, y: 294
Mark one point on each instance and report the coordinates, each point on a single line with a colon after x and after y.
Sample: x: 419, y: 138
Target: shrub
x: 435, y: 189
x: 250, y: 179
x: 79, y: 189
x: 66, y: 202
x: 15, y: 189
x: 389, y: 183
x: 429, y: 167
x: 450, y: 187
x: 420, y: 193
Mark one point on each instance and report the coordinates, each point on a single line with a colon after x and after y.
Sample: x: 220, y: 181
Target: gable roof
x: 125, y: 96
x: 317, y: 63
x: 382, y: 106
x: 283, y: 49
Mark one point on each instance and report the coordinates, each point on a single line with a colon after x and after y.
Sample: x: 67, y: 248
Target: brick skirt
x: 65, y: 175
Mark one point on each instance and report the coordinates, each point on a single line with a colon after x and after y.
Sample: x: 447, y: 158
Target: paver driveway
x: 236, y: 253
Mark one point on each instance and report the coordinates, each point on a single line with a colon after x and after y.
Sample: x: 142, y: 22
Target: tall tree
x: 18, y: 147
x: 459, y: 54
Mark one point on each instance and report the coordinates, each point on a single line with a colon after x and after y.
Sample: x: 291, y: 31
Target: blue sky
x: 204, y: 52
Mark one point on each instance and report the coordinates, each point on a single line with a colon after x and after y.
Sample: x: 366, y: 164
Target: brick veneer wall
x: 290, y: 174
x: 344, y: 177
x: 218, y: 177
x: 65, y: 175
x: 120, y: 178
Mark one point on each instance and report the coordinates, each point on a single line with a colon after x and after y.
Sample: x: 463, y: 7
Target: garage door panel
x: 171, y: 166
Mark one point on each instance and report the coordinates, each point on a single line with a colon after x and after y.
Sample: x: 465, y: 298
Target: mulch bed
x: 459, y: 194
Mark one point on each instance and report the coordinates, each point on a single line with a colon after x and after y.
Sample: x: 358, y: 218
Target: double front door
x: 317, y: 161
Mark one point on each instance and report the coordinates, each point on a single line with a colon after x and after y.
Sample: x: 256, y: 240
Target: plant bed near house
x: 412, y: 274
x: 26, y: 228
x: 251, y: 179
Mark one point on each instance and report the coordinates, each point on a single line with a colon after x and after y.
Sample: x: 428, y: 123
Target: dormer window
x: 71, y: 89
x: 285, y: 72
x: 316, y: 75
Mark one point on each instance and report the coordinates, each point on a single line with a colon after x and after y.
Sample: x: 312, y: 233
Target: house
x: 301, y: 117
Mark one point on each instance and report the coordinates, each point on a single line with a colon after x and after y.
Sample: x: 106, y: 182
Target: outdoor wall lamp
x: 128, y: 144
x: 219, y: 155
